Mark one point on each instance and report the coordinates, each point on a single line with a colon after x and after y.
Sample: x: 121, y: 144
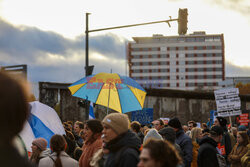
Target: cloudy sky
x: 48, y: 35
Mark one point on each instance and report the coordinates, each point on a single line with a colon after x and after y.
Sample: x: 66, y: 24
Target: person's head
x: 168, y: 134
x: 242, y: 138
x: 220, y: 121
x: 158, y: 124
x: 242, y: 128
x: 81, y: 134
x: 216, y: 133
x: 196, y: 133
x: 78, y: 127
x: 70, y: 123
x: 135, y: 126
x: 205, y: 132
x: 185, y: 128
x: 57, y: 145
x: 158, y: 153
x: 204, y: 126
x: 152, y: 133
x: 70, y: 135
x: 114, y: 125
x: 92, y: 130
x: 14, y: 106
x: 191, y: 125
x: 39, y: 144
x: 175, y: 124
x: 234, y: 131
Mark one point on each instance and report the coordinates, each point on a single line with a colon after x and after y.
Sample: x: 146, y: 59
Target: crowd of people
x: 117, y: 142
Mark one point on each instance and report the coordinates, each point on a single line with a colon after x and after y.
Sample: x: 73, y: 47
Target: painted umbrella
x: 120, y: 93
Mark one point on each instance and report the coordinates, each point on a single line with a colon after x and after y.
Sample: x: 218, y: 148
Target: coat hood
x: 208, y: 140
x: 45, y: 153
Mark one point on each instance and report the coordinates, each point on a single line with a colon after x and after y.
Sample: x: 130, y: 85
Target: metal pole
x: 87, y: 60
x: 87, y: 44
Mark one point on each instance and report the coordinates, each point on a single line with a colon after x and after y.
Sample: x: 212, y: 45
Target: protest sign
x: 228, y: 102
x: 244, y: 119
x: 144, y: 116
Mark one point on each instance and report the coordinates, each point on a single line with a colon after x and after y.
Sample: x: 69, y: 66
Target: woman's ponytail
x: 57, y: 143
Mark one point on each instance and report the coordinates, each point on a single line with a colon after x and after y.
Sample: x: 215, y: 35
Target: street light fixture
x: 88, y: 69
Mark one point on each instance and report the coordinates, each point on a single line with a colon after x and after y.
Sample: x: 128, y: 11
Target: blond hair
x: 195, y: 133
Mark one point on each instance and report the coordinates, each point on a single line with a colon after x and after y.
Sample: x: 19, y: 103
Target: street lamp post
x: 88, y: 69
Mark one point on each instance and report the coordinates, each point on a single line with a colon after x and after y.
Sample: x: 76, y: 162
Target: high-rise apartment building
x: 187, y: 62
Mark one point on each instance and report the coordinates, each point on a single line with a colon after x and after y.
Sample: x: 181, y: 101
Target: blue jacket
x: 185, y: 142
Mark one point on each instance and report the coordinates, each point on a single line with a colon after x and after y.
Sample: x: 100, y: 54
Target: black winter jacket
x: 207, y: 153
x: 185, y: 142
x: 123, y: 151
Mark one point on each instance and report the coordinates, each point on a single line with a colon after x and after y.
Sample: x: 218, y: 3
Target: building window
x: 209, y: 47
x: 217, y: 47
x: 172, y: 48
x: 199, y: 47
x: 181, y: 48
x: 172, y: 84
x: 200, y: 39
x: 190, y: 39
x: 163, y: 49
x: 155, y: 49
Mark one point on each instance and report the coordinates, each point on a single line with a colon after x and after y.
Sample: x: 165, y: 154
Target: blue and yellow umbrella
x: 119, y: 93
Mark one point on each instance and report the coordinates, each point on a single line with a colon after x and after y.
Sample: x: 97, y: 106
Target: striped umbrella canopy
x: 120, y: 93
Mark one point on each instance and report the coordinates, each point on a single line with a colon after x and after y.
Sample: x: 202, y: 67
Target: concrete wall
x: 185, y: 109
x: 186, y: 105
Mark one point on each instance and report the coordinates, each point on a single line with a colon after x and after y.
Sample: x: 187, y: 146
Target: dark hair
x: 175, y: 123
x: 161, y: 121
x: 244, y: 136
x: 80, y: 124
x: 57, y: 144
x: 216, y: 131
x: 70, y: 135
x: 193, y: 122
x: 204, y: 125
x: 70, y: 122
x: 163, y: 152
x: 222, y: 121
x: 135, y: 125
x: 14, y: 106
x: 96, y: 127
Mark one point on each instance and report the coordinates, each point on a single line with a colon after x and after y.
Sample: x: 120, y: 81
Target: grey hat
x: 152, y: 133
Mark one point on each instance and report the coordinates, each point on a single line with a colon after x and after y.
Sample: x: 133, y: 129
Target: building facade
x: 185, y: 62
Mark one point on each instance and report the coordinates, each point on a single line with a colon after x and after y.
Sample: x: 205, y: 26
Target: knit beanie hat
x: 175, y: 123
x: 40, y: 143
x: 168, y: 134
x: 152, y: 133
x: 216, y: 130
x: 242, y: 128
x: 222, y: 121
x: 118, y: 122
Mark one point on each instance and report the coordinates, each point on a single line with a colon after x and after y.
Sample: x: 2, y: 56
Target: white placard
x: 228, y: 102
